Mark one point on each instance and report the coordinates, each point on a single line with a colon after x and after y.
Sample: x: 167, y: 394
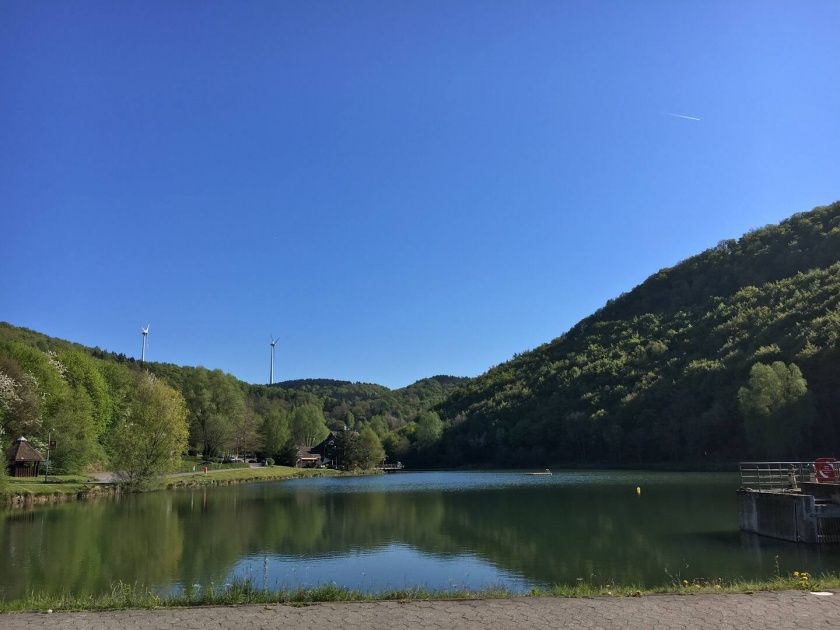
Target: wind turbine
x: 271, y: 372
x: 145, y: 332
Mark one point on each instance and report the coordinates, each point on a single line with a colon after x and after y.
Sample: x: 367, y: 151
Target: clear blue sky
x: 395, y: 189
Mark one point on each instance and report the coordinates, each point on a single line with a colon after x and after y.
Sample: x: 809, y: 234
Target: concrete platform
x: 789, y: 515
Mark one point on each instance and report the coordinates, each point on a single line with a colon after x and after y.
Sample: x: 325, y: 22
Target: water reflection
x: 440, y: 530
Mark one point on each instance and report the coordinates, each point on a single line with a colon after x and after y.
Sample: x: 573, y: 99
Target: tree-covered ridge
x: 654, y: 375
x: 365, y: 400
x: 89, y: 400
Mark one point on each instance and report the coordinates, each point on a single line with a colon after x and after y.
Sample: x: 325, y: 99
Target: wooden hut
x: 306, y: 459
x: 23, y: 460
x: 320, y: 455
x: 326, y: 449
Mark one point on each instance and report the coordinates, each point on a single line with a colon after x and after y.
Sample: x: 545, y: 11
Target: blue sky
x: 395, y: 189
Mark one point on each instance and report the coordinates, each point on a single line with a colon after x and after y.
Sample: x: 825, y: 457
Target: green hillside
x: 733, y: 353
x: 667, y: 372
x: 365, y: 400
x: 83, y: 397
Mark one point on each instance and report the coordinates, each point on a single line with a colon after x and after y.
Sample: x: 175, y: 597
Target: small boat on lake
x: 545, y: 472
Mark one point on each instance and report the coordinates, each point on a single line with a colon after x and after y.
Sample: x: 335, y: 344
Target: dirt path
x: 762, y: 611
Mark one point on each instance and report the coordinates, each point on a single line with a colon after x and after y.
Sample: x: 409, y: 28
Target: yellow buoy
x: 638, y: 490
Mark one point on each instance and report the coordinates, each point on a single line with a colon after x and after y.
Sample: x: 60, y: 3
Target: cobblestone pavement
x: 799, y: 610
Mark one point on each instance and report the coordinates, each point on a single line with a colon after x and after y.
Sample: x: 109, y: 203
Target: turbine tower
x: 271, y: 371
x: 145, y: 332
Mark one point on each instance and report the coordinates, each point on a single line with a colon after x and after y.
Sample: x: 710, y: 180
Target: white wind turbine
x: 145, y: 332
x: 271, y: 371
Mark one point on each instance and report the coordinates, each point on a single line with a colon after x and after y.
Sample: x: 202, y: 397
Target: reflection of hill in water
x: 546, y: 534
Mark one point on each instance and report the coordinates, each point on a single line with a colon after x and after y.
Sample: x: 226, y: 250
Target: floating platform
x: 783, y: 500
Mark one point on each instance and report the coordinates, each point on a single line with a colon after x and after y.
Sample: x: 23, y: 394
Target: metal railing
x: 777, y: 475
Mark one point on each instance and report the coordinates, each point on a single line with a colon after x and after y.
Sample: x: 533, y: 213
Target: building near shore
x: 322, y: 454
x: 22, y: 460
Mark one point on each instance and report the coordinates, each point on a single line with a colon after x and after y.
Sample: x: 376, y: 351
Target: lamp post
x: 47, y: 463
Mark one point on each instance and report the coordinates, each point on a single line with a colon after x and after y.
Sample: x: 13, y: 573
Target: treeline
x: 731, y: 354
x: 92, y: 402
x: 93, y: 410
x: 345, y: 402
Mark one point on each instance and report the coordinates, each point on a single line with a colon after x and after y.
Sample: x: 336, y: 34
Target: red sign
x: 824, y: 469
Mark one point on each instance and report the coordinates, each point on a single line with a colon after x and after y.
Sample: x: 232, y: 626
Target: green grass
x: 57, y: 484
x: 125, y: 596
x: 241, y: 475
x: 74, y: 484
x: 187, y: 463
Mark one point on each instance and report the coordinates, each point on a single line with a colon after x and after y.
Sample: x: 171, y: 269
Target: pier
x: 795, y: 501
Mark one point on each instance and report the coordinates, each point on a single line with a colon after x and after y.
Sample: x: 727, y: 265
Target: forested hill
x: 730, y: 354
x: 50, y: 386
x: 364, y: 400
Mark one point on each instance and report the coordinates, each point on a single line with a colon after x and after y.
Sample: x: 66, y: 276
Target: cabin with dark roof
x: 22, y: 460
x: 325, y: 448
x: 322, y: 454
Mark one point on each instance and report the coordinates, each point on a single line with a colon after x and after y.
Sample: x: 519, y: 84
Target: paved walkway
x: 795, y: 610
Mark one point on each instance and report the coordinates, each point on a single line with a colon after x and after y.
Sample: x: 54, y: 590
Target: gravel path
x: 792, y: 609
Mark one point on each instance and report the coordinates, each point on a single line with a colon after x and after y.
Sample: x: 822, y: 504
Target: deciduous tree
x: 777, y: 409
x: 308, y: 425
x: 149, y: 441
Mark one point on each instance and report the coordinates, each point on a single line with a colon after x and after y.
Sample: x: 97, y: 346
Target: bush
x: 269, y: 461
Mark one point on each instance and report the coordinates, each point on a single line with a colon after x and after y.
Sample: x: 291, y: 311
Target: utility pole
x: 47, y: 465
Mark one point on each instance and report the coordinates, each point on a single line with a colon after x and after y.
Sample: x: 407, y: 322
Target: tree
x: 276, y: 434
x: 246, y: 437
x: 20, y: 403
x: 83, y: 373
x: 66, y: 411
x: 358, y: 450
x: 380, y: 425
x: 308, y: 425
x: 73, y: 429
x: 429, y: 429
x: 371, y: 448
x: 3, y: 473
x: 776, y: 408
x: 396, y: 446
x: 120, y: 380
x: 149, y: 441
x: 216, y: 406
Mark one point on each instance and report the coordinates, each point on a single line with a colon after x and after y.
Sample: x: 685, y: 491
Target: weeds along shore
x: 128, y: 596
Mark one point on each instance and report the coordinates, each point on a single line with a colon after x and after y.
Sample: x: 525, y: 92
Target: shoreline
x: 85, y: 489
x: 90, y: 490
x: 132, y: 597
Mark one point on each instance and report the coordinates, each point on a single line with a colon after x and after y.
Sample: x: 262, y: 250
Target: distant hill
x: 365, y: 400
x: 730, y: 354
x: 220, y: 406
x: 655, y: 375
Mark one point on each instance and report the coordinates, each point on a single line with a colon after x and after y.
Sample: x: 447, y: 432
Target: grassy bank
x: 124, y: 596
x: 240, y: 475
x: 57, y: 484
x: 29, y: 491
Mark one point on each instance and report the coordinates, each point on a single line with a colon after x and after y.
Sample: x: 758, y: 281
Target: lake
x: 440, y: 530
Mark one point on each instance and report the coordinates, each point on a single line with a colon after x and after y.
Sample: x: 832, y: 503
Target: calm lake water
x: 441, y: 530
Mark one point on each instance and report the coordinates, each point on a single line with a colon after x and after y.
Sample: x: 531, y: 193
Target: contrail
x: 685, y: 116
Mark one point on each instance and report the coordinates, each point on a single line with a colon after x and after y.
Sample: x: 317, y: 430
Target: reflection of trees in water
x: 83, y: 548
x: 549, y: 534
